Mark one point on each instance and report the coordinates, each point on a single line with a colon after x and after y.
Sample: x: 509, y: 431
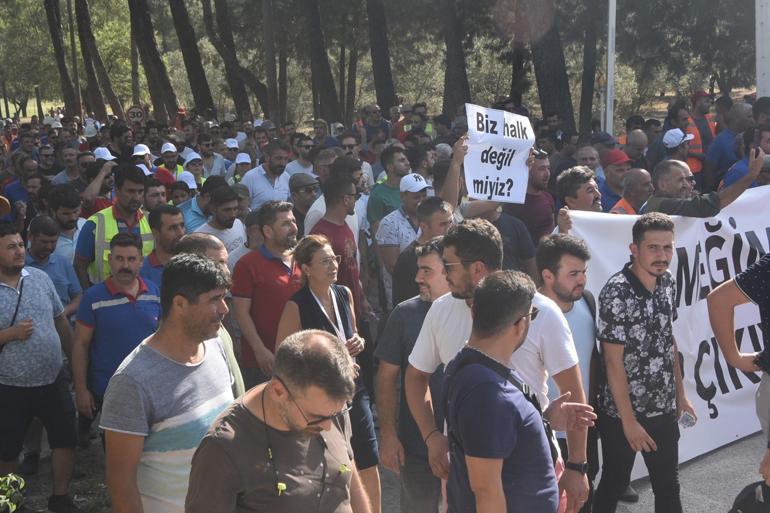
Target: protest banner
x: 708, y: 252
x: 498, y: 147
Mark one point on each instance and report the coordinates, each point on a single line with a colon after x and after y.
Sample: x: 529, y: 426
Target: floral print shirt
x: 642, y: 322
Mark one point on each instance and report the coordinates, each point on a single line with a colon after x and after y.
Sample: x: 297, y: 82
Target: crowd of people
x: 252, y: 318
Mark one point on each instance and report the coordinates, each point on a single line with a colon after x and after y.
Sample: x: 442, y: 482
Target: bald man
x: 636, y: 147
x: 721, y: 154
x: 637, y: 188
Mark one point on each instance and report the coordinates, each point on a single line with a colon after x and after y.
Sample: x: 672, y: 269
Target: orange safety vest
x: 696, y: 145
x: 623, y: 207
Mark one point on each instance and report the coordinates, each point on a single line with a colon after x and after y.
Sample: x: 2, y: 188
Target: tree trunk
x: 83, y: 14
x: 5, y: 99
x: 283, y: 63
x: 588, y: 79
x: 188, y: 44
x: 351, y: 94
x: 519, y: 82
x: 53, y: 15
x: 159, y: 112
x: 154, y: 68
x: 268, y: 47
x: 456, y: 88
x: 229, y: 58
x: 319, y: 63
x: 341, y: 80
x: 96, y: 100
x: 135, y: 94
x: 548, y: 60
x: 378, y: 43
x: 38, y: 103
x: 73, y: 48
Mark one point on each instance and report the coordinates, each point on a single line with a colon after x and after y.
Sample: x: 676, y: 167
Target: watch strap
x: 577, y: 467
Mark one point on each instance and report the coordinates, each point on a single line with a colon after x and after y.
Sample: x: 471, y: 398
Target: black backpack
x: 755, y: 498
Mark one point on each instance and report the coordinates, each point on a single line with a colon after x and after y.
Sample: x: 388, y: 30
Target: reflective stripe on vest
x: 106, y: 229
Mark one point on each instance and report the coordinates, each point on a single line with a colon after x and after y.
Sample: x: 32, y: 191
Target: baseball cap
x: 140, y: 150
x: 57, y: 124
x: 103, y: 153
x: 231, y: 144
x: 188, y: 178
x: 413, y: 182
x: 300, y: 180
x: 257, y: 122
x: 90, y: 130
x: 675, y: 137
x: 243, y: 158
x: 614, y: 157
x: 192, y: 156
x: 241, y: 190
x: 167, y: 147
x: 602, y: 138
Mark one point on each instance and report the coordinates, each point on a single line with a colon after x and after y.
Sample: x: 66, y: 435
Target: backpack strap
x: 596, y: 374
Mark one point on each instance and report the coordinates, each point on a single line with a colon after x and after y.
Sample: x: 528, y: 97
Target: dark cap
x: 602, y: 138
x: 300, y: 180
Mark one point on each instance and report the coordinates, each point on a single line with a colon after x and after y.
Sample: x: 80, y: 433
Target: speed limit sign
x: 135, y: 114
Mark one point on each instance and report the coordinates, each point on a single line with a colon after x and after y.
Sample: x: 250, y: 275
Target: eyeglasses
x: 447, y: 265
x: 320, y: 419
x: 356, y: 195
x: 329, y: 260
x: 307, y: 190
x: 532, y: 314
x: 348, y: 146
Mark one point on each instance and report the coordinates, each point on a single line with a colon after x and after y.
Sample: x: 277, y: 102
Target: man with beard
x: 65, y: 205
x: 162, y: 398
x: 114, y: 317
x: 562, y: 261
x: 644, y: 396
x: 34, y: 334
x: 213, y: 163
x: 401, y: 447
x: 386, y: 196
x: 268, y: 182
x: 352, y: 146
x: 302, y: 164
x: 576, y: 189
x: 537, y: 211
x: 167, y: 225
x: 121, y: 143
x: 91, y: 255
x: 224, y: 223
x: 299, y: 422
x: 71, y: 174
x: 264, y: 280
x: 43, y: 236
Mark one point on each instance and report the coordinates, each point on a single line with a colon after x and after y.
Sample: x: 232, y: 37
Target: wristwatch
x: 577, y: 467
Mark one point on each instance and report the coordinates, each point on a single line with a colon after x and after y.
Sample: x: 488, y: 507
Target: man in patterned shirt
x: 644, y: 395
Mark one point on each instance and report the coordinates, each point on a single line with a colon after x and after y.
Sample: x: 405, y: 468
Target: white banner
x: 498, y: 147
x: 708, y: 253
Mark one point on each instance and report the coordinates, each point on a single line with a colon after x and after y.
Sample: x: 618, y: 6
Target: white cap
x: 140, y: 150
x: 57, y: 124
x: 257, y: 122
x: 192, y: 156
x: 103, y: 153
x: 144, y: 169
x: 413, y: 183
x: 89, y: 130
x: 231, y: 144
x: 675, y: 137
x: 188, y: 178
x: 48, y: 120
x: 243, y: 158
x: 167, y: 147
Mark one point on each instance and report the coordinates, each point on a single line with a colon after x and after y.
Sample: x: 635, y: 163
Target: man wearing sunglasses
x: 675, y: 194
x: 285, y: 445
x: 471, y: 251
x: 302, y: 164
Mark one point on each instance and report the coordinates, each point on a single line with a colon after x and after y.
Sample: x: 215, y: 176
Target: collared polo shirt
x: 152, y: 269
x: 269, y: 283
x: 66, y: 245
x: 36, y: 361
x: 193, y: 215
x: 62, y: 274
x: 642, y: 322
x: 120, y: 323
x: 609, y: 197
x: 262, y: 190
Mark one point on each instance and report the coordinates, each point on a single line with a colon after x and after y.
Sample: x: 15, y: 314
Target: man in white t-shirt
x: 472, y: 250
x: 343, y: 165
x: 224, y: 223
x: 352, y: 146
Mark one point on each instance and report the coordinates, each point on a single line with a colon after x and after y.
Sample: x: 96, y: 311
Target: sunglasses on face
x: 349, y: 146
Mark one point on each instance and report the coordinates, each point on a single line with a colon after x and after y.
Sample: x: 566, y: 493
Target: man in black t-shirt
x: 750, y: 285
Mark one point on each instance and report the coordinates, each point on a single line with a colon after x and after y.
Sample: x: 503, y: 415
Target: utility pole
x: 610, y: 98
x: 763, y: 46
x: 78, y: 104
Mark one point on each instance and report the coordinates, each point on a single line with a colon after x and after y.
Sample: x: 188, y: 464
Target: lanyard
x: 16, y: 311
x: 338, y: 327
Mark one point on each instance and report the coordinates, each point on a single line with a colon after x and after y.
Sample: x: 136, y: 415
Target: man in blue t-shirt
x: 501, y: 457
x: 741, y: 168
x: 721, y: 153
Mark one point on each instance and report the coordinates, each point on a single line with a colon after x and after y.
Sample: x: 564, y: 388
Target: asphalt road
x: 709, y: 482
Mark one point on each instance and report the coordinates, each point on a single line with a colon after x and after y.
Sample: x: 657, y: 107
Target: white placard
x: 498, y: 147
